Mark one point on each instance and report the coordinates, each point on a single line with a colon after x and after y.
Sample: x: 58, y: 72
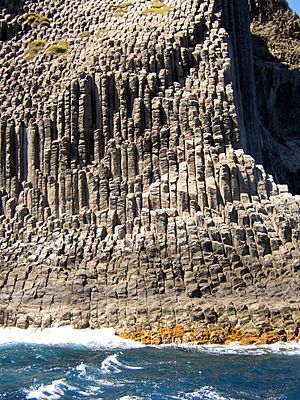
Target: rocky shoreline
x: 178, y: 335
x: 220, y: 321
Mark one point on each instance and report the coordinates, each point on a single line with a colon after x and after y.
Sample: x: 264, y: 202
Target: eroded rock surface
x: 276, y: 43
x: 129, y: 193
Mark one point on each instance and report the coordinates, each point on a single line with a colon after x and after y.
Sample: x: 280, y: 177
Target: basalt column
x: 236, y: 20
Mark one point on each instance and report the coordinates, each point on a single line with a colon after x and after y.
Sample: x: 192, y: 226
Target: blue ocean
x: 63, y: 363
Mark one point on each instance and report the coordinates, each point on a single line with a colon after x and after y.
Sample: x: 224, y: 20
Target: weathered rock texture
x: 276, y: 43
x: 129, y: 193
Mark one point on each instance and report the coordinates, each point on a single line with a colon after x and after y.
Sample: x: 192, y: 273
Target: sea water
x: 67, y: 364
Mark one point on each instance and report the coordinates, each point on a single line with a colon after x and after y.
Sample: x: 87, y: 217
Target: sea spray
x: 66, y: 335
x: 55, y: 390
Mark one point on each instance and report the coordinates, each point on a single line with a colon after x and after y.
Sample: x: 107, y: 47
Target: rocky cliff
x: 276, y: 43
x: 133, y: 193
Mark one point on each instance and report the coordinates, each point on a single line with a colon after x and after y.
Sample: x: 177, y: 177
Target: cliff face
x: 129, y: 197
x: 264, y: 10
x: 276, y: 43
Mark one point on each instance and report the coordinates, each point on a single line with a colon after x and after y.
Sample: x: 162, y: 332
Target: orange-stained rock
x: 269, y: 338
x: 178, y: 331
x: 249, y: 339
x: 166, y: 335
x: 178, y: 335
x: 189, y: 337
x: 235, y: 335
x: 217, y: 337
x: 202, y: 336
x: 156, y: 339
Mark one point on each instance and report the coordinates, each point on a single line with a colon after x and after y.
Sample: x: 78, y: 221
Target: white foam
x: 206, y: 393
x: 53, y: 391
x: 130, y: 398
x: 66, y: 335
x: 81, y: 368
x: 112, y: 364
x: 291, y: 348
x: 106, y: 338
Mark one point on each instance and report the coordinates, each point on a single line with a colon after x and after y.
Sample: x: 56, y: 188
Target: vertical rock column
x: 33, y: 152
x: 10, y: 155
x: 236, y: 20
x: 2, y: 153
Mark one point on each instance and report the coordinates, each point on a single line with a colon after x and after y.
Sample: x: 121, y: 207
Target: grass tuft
x: 36, y: 19
x: 85, y: 34
x: 34, y: 48
x: 123, y: 5
x: 121, y: 8
x: 59, y: 49
x: 158, y: 7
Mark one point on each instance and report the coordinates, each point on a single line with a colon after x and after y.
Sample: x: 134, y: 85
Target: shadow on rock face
x: 260, y: 49
x: 278, y: 100
x: 11, y: 5
x: 8, y: 10
x: 287, y: 108
x: 263, y: 9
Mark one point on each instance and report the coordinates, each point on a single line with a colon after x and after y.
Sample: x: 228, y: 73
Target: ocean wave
x: 54, y: 391
x: 289, y: 349
x: 131, y: 398
x: 111, y: 364
x: 205, y: 393
x: 81, y: 369
x: 106, y: 338
x: 98, y: 338
x: 292, y: 348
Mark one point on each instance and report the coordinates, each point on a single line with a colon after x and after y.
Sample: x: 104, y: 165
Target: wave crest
x: 111, y: 364
x: 54, y: 391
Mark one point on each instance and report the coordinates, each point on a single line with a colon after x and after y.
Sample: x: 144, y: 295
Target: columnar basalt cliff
x: 132, y: 190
